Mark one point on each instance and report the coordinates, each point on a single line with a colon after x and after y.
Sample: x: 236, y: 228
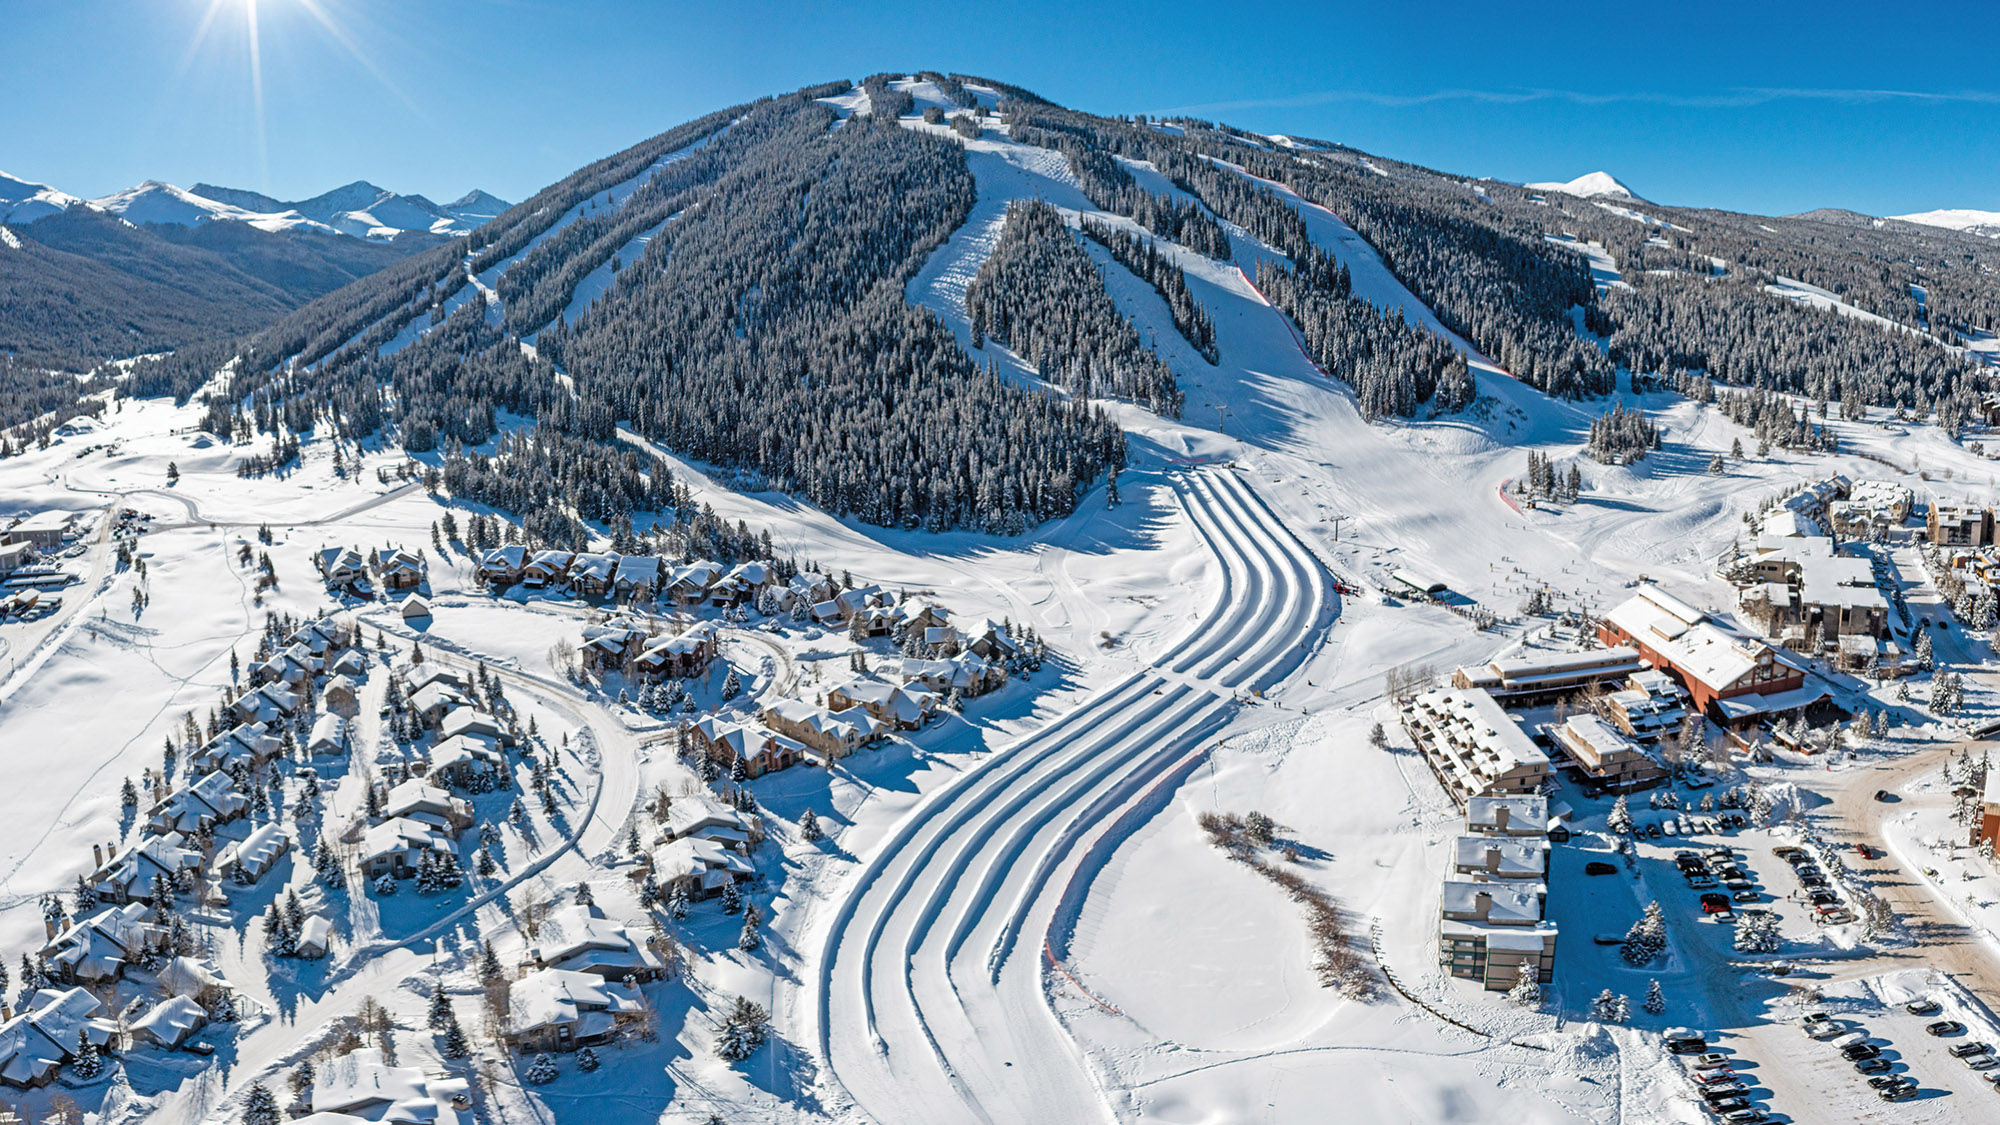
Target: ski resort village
x: 903, y: 602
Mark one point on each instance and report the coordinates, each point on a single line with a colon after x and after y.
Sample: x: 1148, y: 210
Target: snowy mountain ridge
x: 1984, y: 223
x: 359, y: 209
x: 1591, y: 185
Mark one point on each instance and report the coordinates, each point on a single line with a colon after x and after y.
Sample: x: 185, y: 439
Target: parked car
x: 1944, y: 1027
x: 1883, y: 796
x: 1896, y: 1093
x: 1883, y: 1082
x: 1752, y: 1116
x: 1850, y: 1039
x: 1876, y: 1065
x: 1721, y: 1076
x: 1960, y: 1050
x: 1981, y: 1062
x: 1921, y: 1006
x: 1599, y: 867
x: 1745, y: 896
x: 1714, y: 903
x: 1652, y: 831
x: 1730, y: 1105
x: 1721, y: 1090
x: 1787, y: 851
x: 1710, y: 1060
x: 1684, y: 1041
x: 1860, y: 1051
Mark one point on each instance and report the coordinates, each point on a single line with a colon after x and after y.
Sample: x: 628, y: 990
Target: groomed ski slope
x: 931, y: 998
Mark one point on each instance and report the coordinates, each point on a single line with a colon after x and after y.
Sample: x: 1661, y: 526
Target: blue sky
x: 1881, y: 109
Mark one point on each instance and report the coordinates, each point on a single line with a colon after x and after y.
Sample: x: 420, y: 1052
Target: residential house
x: 47, y: 1033
x: 704, y: 818
x: 455, y: 760
x: 432, y: 702
x: 894, y: 707
x: 760, y: 751
x: 248, y: 745
x: 608, y: 645
x: 1520, y: 815
x: 341, y: 566
x: 699, y: 868
x: 501, y: 567
x: 546, y: 568
x: 315, y: 939
x: 827, y: 734
x: 744, y: 584
x: 397, y: 847
x: 342, y: 696
x: 100, y: 947
x: 1650, y: 706
x: 248, y: 860
x: 561, y: 1010
x: 361, y: 1087
x: 170, y: 1023
x: 44, y: 530
x: 267, y: 704
x: 592, y: 575
x: 580, y: 939
x: 966, y: 673
x: 689, y: 583
x: 471, y: 721
x: 206, y: 803
x: 398, y: 569
x: 127, y: 875
x: 329, y: 736
x: 416, y: 677
x: 416, y: 800
x: 680, y: 656
x: 415, y: 608
x: 637, y: 578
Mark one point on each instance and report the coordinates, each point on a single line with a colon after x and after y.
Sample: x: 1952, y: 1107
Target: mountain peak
x: 1958, y: 218
x: 1591, y: 185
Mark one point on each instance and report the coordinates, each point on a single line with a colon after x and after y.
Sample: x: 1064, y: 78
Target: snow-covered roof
x: 328, y: 730
x: 1738, y: 707
x: 1517, y: 814
x: 172, y: 1020
x: 579, y: 938
x: 256, y: 852
x: 553, y: 997
x: 1512, y: 903
x: 1687, y: 639
x: 1506, y: 857
x: 362, y: 1083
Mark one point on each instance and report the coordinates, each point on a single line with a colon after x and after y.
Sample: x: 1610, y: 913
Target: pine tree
x: 1527, y: 990
x: 543, y: 1071
x: 809, y: 829
x: 489, y: 965
x: 1647, y: 938
x: 1656, y: 1001
x: 260, y: 1106
x: 586, y: 1060
x: 732, y: 900
x: 440, y: 1014
x: 749, y: 939
x: 455, y: 1045
x: 86, y: 1064
x: 1619, y: 820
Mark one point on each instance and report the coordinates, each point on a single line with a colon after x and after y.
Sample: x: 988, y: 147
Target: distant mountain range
x: 1984, y: 223
x: 358, y: 210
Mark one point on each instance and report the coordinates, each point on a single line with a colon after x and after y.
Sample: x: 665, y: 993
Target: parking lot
x: 1947, y: 1089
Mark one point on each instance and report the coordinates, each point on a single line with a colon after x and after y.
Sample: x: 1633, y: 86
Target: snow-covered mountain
x: 24, y: 201
x: 1985, y: 223
x: 1589, y: 186
x: 359, y: 209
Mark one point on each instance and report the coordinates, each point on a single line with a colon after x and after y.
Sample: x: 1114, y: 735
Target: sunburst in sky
x: 232, y: 28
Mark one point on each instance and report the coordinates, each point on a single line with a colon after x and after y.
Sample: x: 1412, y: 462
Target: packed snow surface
x: 1590, y: 185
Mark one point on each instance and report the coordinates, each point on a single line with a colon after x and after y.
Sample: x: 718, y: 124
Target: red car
x: 1713, y: 903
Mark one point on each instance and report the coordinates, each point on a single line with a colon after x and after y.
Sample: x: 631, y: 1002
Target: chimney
x: 1500, y: 817
x: 1482, y: 905
x: 49, y: 928
x: 96, y: 857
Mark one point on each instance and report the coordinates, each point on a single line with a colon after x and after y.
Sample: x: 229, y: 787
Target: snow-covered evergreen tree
x: 542, y: 1071
x: 260, y: 1106
x: 1656, y: 1001
x: 1527, y: 990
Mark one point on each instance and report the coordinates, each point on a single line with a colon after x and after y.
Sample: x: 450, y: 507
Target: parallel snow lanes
x: 932, y: 991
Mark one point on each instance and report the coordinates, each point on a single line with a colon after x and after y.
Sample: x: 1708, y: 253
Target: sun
x: 233, y: 27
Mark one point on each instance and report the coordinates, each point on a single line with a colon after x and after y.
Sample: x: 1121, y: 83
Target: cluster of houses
x: 1492, y: 916
x: 704, y: 847
x: 632, y: 578
x: 349, y: 570
x: 641, y: 649
x: 420, y: 820
x: 1737, y: 682
x: 579, y: 983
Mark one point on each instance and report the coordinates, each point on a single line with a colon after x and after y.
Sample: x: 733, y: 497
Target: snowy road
x: 931, y: 994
